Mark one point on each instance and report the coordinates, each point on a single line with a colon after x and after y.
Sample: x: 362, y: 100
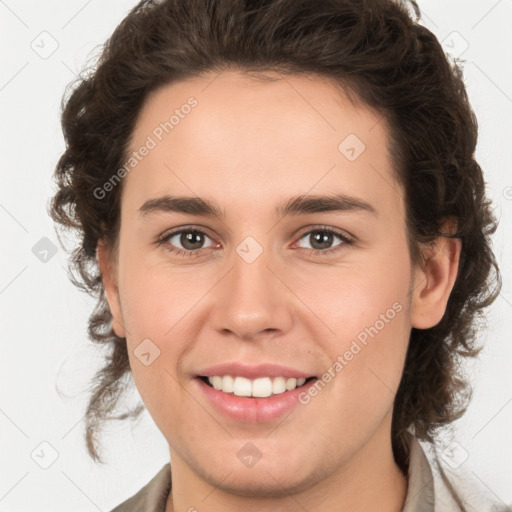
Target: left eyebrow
x: 304, y: 204
x: 298, y: 205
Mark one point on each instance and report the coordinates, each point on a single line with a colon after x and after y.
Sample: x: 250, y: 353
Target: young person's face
x: 253, y: 292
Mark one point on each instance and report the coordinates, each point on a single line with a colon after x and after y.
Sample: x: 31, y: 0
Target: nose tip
x: 248, y: 330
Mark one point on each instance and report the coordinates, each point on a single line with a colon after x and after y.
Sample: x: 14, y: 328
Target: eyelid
x: 162, y: 239
x: 347, y: 239
x: 187, y: 227
x: 319, y: 227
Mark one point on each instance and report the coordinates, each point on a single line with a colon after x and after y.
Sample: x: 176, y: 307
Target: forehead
x: 227, y: 135
x: 253, y: 105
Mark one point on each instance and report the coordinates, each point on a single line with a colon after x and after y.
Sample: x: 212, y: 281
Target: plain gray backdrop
x: 44, y: 342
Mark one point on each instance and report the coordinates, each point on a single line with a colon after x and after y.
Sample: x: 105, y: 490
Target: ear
x: 109, y: 278
x: 434, y: 281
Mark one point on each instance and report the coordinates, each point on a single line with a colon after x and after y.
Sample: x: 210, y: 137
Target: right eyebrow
x: 181, y: 204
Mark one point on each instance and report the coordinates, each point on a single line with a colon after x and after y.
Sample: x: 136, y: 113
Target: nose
x: 252, y: 299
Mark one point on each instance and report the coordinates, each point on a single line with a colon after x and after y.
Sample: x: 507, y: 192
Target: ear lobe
x: 109, y: 278
x: 434, y: 282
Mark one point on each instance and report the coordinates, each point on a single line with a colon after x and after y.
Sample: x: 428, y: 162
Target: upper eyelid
x: 336, y: 231
x: 185, y: 229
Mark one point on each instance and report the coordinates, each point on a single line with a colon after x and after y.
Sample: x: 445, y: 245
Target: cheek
x: 156, y: 299
x: 362, y: 323
x: 157, y: 307
x: 350, y: 300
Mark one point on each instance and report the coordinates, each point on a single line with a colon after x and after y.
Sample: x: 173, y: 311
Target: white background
x: 44, y: 318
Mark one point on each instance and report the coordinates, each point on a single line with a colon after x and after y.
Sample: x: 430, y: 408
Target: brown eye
x: 321, y: 240
x: 191, y: 240
x: 186, y: 241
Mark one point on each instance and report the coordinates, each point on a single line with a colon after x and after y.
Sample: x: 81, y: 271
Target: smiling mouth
x: 254, y: 388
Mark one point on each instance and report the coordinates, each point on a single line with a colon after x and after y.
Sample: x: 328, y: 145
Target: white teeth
x: 262, y: 387
x: 259, y: 388
x: 291, y: 384
x: 278, y: 385
x: 216, y: 382
x: 242, y: 387
x: 228, y: 384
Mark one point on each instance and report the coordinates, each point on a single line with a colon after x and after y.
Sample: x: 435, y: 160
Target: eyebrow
x: 299, y: 205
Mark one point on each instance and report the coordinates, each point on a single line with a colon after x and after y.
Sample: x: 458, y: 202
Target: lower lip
x: 253, y: 410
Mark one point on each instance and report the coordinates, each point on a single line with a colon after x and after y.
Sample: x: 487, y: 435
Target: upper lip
x: 253, y: 371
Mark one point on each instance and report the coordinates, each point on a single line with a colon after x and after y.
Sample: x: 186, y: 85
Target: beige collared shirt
x: 432, y: 487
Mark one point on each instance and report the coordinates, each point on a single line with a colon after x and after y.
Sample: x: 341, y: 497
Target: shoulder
x: 454, y: 486
x: 152, y: 497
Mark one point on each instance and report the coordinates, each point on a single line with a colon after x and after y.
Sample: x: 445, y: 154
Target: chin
x: 263, y: 480
x: 261, y: 486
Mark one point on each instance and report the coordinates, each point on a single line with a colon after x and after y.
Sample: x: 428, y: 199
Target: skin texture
x: 250, y: 146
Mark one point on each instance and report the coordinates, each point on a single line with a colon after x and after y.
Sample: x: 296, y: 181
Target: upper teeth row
x: 260, y: 388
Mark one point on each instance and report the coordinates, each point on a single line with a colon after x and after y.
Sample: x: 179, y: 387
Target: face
x: 320, y: 291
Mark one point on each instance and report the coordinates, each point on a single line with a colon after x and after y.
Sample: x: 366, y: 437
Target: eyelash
x: 346, y: 240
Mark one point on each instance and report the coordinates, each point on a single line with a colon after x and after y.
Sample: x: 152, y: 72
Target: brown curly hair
x: 378, y: 53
